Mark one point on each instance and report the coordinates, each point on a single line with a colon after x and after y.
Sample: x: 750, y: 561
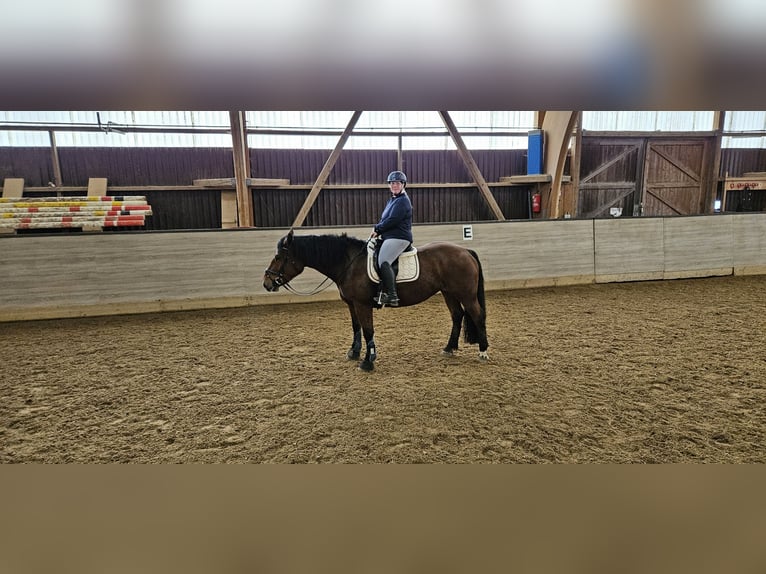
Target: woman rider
x: 395, y: 231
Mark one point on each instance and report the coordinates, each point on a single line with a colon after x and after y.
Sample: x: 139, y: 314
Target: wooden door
x: 611, y: 171
x: 676, y: 177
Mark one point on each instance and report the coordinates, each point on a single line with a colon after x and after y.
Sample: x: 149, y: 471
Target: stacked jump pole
x: 73, y: 212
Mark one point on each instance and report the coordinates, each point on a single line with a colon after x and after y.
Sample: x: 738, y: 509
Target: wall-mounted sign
x: 741, y: 183
x: 467, y: 232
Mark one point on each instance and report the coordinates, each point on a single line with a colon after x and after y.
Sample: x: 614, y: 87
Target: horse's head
x: 284, y: 267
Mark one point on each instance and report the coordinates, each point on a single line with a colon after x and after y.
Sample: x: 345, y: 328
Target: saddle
x: 406, y: 267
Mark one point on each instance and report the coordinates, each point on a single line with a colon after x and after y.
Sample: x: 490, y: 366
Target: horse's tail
x: 470, y: 329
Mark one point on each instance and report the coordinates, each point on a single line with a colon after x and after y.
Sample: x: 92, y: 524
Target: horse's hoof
x: 448, y: 353
x: 366, y: 365
x: 483, y: 356
x: 353, y: 355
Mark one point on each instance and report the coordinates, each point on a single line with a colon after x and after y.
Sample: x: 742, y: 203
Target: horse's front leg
x: 356, y: 346
x: 364, y: 316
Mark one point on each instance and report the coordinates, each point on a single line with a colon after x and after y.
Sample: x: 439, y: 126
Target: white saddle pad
x: 409, y: 265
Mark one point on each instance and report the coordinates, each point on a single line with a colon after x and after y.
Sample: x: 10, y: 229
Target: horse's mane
x: 325, y: 251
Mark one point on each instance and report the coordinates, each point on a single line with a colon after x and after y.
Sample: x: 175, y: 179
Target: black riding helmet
x: 397, y: 176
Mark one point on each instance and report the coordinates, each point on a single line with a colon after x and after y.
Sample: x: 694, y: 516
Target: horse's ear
x: 289, y: 238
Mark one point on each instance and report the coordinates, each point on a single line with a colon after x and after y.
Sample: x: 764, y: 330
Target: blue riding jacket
x: 396, y: 219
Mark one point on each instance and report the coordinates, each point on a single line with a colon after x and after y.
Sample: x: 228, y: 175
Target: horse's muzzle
x: 272, y: 281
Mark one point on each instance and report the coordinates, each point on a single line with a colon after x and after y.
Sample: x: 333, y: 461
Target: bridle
x: 278, y: 277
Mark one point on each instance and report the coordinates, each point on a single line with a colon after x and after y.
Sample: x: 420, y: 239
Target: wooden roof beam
x: 322, y: 177
x: 473, y: 169
x: 558, y: 127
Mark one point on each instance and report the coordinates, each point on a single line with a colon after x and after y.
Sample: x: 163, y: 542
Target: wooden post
x: 322, y: 177
x: 97, y: 186
x: 473, y: 169
x: 55, y: 159
x: 241, y: 168
x: 718, y: 122
x: 13, y: 187
x: 575, y: 165
x: 228, y: 209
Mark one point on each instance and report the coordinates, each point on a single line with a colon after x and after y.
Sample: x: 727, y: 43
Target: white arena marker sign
x: 467, y: 232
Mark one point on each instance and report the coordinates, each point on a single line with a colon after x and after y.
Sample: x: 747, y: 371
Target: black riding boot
x: 389, y: 296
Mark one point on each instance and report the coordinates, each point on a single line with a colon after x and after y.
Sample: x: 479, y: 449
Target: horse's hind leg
x: 356, y: 346
x: 456, y: 312
x: 477, y: 331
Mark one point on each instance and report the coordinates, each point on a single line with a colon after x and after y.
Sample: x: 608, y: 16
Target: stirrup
x: 386, y: 299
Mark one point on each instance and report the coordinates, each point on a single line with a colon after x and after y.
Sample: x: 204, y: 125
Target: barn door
x: 611, y: 171
x: 675, y: 177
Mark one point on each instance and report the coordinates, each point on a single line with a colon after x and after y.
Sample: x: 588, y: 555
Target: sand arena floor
x: 646, y: 372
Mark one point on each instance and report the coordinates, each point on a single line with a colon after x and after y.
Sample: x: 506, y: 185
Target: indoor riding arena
x: 613, y: 337
x: 660, y: 371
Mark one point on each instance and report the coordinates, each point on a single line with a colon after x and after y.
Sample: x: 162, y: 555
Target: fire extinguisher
x: 536, y: 203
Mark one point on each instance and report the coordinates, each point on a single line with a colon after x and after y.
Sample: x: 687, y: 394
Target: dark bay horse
x: 445, y: 267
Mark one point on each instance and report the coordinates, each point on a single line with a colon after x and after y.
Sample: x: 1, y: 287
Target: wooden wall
x: 80, y: 275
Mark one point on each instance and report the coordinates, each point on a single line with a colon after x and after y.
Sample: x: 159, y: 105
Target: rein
x: 318, y: 289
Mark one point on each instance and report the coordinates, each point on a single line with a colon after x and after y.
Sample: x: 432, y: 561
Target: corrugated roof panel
x: 684, y: 121
x: 428, y: 142
x: 745, y: 121
x: 119, y: 118
x: 24, y: 139
x: 466, y: 121
x: 647, y: 120
x: 372, y: 119
x: 368, y: 142
x: 743, y: 143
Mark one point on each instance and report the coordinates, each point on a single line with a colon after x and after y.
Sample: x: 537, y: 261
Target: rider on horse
x: 395, y: 231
